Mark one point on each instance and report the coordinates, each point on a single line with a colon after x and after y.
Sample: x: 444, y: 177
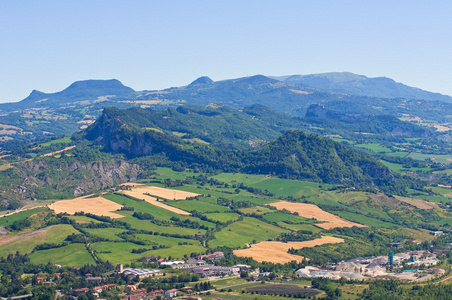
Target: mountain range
x: 43, y: 115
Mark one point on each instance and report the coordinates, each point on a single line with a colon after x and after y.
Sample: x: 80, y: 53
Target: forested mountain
x: 293, y: 155
x: 43, y: 115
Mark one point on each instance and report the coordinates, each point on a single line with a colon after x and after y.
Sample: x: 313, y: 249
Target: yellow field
x: 313, y: 211
x: 276, y: 252
x: 418, y: 203
x: 139, y: 193
x: 97, y: 206
x: 164, y: 193
x: 59, y: 151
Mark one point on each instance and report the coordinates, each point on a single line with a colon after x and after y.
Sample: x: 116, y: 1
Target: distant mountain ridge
x: 77, y: 91
x: 349, y: 83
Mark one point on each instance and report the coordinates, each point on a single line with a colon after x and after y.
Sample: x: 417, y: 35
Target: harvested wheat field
x: 313, y: 211
x: 132, y: 184
x: 276, y: 252
x: 422, y: 204
x: 138, y: 193
x: 165, y: 193
x: 97, y: 206
x: 59, y: 151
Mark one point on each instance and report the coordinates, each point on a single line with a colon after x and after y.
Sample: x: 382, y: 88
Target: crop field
x: 364, y: 220
x: 97, y: 206
x: 164, y: 193
x: 26, y: 242
x: 222, y: 217
x: 276, y: 252
x: 280, y: 217
x: 138, y: 193
x: 374, y: 147
x: 147, y: 225
x: 260, y: 210
x: 122, y: 252
x: 10, y: 218
x: 59, y: 151
x: 165, y: 240
x: 401, y: 154
x: 199, y: 206
x: 141, y: 206
x: 297, y: 227
x: 73, y: 255
x: 110, y: 234
x: 444, y: 159
x: 240, y: 233
x: 65, y: 140
x: 418, y: 203
x: 83, y: 219
x: 313, y: 211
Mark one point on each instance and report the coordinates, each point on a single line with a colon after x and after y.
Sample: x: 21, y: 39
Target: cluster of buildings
x: 404, y: 266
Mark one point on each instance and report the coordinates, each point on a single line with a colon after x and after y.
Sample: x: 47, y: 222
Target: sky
x: 47, y: 45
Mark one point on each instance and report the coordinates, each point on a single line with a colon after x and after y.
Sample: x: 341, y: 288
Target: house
x: 138, y: 293
x: 171, y: 293
x: 212, y: 256
x: 97, y: 289
x: 93, y: 279
x: 437, y: 233
x: 395, y: 245
x: 78, y: 292
x: 156, y: 293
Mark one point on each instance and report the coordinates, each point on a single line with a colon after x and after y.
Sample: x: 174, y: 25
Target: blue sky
x: 47, y: 45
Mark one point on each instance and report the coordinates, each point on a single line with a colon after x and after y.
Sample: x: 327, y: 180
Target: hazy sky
x: 47, y: 45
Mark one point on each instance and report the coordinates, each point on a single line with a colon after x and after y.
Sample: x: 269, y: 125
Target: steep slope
x: 349, y: 83
x: 294, y: 155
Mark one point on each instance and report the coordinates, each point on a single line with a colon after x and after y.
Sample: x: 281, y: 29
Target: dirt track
x: 9, y: 239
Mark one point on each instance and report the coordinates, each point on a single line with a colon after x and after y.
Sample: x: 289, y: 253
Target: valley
x: 229, y: 199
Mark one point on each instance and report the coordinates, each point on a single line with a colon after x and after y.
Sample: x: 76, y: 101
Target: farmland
x: 248, y: 222
x: 276, y: 252
x: 311, y: 211
x: 93, y: 205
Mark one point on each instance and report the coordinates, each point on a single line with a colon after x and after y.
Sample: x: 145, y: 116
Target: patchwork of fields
x: 220, y: 216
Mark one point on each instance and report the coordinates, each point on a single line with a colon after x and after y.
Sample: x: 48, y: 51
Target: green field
x: 244, y: 232
x: 374, y: 147
x: 398, y: 154
x: 110, y: 233
x: 73, y: 255
x: 141, y: 206
x: 65, y: 140
x: 363, y: 219
x: 122, y: 252
x: 164, y: 240
x: 222, y: 217
x: 7, y: 220
x: 84, y: 219
x: 27, y: 242
x: 147, y: 225
x: 281, y: 217
x: 199, y: 206
x: 444, y: 159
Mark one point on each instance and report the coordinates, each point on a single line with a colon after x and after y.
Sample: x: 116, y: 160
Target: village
x: 412, y: 266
